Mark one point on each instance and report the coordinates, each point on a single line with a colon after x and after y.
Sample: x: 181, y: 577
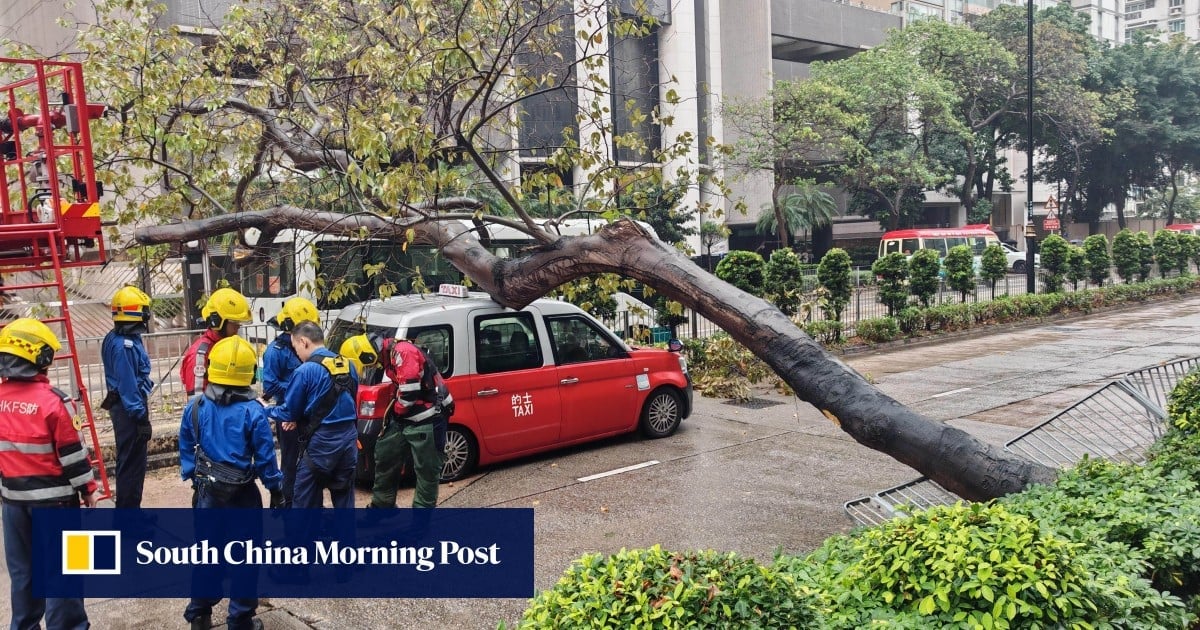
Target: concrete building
x: 1163, y: 18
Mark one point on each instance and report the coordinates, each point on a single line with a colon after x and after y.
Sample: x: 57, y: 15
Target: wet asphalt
x: 754, y: 477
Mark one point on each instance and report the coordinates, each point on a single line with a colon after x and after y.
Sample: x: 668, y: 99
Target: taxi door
x: 599, y: 388
x: 516, y: 399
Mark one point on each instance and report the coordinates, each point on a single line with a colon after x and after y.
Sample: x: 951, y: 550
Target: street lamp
x: 1030, y: 278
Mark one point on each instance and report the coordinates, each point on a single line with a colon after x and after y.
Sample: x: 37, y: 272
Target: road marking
x: 953, y: 391
x: 618, y: 471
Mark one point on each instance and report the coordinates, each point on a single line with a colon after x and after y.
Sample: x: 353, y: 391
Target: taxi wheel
x: 662, y: 413
x: 462, y: 453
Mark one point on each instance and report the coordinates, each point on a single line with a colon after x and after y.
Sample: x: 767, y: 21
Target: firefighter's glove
x: 277, y: 500
x: 144, y: 430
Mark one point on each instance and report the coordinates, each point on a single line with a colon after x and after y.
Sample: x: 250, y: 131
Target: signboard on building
x: 1051, y: 224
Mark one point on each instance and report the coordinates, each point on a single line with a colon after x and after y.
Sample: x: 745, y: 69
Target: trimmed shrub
x: 1183, y: 404
x: 743, y: 270
x: 834, y: 275
x: 878, y: 329
x: 924, y: 269
x: 976, y: 566
x: 827, y: 332
x: 783, y: 280
x: 1166, y: 251
x: 1191, y: 243
x: 653, y: 588
x: 1054, y: 252
x: 1099, y: 264
x: 960, y: 271
x: 1126, y: 257
x: 892, y: 271
x: 1145, y: 249
x: 1077, y: 266
x: 910, y: 320
x: 993, y: 266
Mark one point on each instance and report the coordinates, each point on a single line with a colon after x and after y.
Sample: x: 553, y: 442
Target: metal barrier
x: 1118, y: 422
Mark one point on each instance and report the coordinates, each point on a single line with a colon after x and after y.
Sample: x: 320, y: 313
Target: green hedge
x: 1106, y: 546
x: 653, y: 588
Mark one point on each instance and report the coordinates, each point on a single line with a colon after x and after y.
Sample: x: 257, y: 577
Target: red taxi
x: 523, y: 382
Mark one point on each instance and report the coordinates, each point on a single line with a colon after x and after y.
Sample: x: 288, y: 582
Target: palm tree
x: 804, y: 208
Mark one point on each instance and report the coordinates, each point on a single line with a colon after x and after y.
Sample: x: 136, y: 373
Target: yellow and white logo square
x: 91, y: 552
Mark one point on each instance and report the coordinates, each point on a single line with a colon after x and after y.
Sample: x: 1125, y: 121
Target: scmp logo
x: 91, y: 553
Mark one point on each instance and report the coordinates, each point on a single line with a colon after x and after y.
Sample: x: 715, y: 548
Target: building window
x: 635, y: 94
x: 548, y: 118
x: 1175, y: 3
x: 1175, y: 26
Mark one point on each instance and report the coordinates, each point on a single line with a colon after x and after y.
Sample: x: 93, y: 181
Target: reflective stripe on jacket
x: 41, y: 457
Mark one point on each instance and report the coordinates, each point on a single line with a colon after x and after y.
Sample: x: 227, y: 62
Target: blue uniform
x: 239, y: 434
x: 327, y: 461
x: 279, y: 363
x: 127, y: 376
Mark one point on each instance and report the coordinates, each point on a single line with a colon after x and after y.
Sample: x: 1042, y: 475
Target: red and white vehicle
x: 977, y: 236
x: 523, y: 382
x: 1188, y: 228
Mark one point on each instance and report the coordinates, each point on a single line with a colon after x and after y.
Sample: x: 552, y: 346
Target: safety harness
x: 342, y: 382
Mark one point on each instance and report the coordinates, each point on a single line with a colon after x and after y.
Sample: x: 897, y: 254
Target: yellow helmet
x: 30, y: 340
x: 360, y: 351
x: 226, y: 305
x: 294, y: 311
x: 232, y: 361
x: 130, y: 304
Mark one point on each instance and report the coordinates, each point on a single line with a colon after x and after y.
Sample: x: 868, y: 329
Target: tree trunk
x: 781, y: 226
x: 953, y: 458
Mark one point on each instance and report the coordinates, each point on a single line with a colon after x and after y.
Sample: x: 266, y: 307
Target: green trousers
x: 401, y: 442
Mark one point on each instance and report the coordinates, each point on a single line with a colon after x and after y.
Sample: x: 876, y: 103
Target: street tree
x: 993, y: 266
x: 924, y: 269
x: 1166, y: 251
x: 960, y: 271
x: 1099, y: 263
x: 377, y: 118
x: 1054, y: 251
x: 1077, y: 266
x: 1126, y: 255
x: 1145, y: 251
x: 892, y: 271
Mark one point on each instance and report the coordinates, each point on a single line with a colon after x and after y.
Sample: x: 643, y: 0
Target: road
x: 749, y: 478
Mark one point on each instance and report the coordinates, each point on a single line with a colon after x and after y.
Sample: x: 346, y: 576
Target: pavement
x: 756, y: 477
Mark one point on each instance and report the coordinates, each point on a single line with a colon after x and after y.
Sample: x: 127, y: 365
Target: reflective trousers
x: 27, y: 611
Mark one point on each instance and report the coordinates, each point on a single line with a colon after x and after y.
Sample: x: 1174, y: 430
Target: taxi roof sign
x: 453, y: 290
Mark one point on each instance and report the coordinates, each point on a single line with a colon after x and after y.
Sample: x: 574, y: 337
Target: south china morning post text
x: 442, y: 552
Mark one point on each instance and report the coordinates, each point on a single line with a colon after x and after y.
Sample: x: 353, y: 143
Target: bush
x: 923, y: 271
x: 993, y: 266
x: 728, y: 369
x: 878, y: 329
x: 1145, y: 250
x: 1054, y: 252
x: 828, y: 332
x: 1166, y: 251
x: 653, y: 588
x: 960, y: 270
x: 1183, y: 404
x: 893, y: 272
x: 1099, y: 263
x: 1077, y: 266
x: 743, y: 270
x: 976, y: 565
x: 1155, y: 513
x: 1126, y: 257
x: 783, y: 281
x: 834, y: 275
x: 1191, y: 243
x: 910, y: 320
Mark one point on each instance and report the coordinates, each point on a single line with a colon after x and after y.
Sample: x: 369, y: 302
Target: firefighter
x: 224, y: 313
x: 320, y: 400
x: 225, y: 442
x: 42, y: 464
x: 127, y: 376
x: 279, y: 362
x: 415, y: 426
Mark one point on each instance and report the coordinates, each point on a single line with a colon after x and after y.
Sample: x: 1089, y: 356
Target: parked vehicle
x: 978, y: 237
x: 1189, y: 228
x: 523, y: 382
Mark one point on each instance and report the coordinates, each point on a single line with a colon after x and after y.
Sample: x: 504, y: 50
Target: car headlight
x: 683, y: 364
x: 366, y: 409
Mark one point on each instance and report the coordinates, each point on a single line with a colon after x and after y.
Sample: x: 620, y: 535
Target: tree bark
x: 953, y: 458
